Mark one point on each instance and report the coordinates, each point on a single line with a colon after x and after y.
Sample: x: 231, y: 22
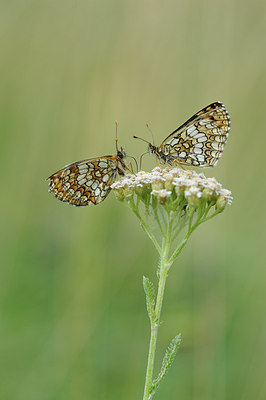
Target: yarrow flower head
x: 172, y: 187
x: 173, y: 198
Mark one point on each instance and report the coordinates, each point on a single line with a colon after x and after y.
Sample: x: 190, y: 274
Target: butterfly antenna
x: 134, y: 160
x: 136, y: 137
x: 147, y: 126
x: 140, y: 159
x: 116, y: 139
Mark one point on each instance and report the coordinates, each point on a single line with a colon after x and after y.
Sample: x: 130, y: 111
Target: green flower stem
x: 145, y: 227
x: 180, y: 247
x: 150, y: 234
x: 150, y: 365
x: 184, y: 241
x: 158, y: 221
x: 165, y: 264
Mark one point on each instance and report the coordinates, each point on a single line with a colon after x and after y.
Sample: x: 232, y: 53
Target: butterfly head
x: 121, y: 153
x: 152, y: 149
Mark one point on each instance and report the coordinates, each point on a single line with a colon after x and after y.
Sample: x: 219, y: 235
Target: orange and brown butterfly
x: 88, y: 181
x: 199, y: 141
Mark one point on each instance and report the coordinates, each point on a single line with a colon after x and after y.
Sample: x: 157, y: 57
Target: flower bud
x: 208, y: 194
x: 179, y: 190
x: 119, y: 194
x: 157, y: 183
x: 193, y: 195
x: 223, y: 199
x: 128, y: 191
x: 163, y: 196
x: 168, y: 184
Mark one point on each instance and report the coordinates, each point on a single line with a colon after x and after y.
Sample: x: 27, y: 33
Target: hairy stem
x: 164, y: 268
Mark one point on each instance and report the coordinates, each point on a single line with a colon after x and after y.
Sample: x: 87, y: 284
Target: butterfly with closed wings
x: 89, y: 181
x: 199, y: 141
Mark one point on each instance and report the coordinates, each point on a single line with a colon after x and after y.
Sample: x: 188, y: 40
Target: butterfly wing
x: 84, y: 182
x: 200, y: 140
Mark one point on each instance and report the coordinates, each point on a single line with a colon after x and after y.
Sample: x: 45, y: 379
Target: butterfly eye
x: 152, y: 149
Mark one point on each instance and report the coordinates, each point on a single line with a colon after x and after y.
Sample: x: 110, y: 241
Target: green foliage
x: 150, y: 298
x: 167, y: 362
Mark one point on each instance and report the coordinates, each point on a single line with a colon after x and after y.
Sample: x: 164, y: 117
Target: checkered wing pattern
x: 199, y: 141
x: 85, y: 182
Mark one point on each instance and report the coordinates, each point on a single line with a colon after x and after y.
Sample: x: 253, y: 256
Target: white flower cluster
x: 162, y: 183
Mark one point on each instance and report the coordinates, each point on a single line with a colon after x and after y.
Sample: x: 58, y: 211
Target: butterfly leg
x: 176, y: 162
x: 158, y: 163
x: 130, y: 167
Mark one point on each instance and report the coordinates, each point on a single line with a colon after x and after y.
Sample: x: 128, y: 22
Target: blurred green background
x: 73, y: 318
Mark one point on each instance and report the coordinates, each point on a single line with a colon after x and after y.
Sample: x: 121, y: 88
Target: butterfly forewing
x: 86, y: 182
x: 200, y: 140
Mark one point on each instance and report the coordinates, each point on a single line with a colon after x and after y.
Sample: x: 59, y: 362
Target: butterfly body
x: 199, y: 141
x: 88, y: 181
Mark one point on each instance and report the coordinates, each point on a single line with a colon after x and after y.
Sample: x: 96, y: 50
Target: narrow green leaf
x: 150, y: 298
x: 150, y: 234
x: 167, y: 362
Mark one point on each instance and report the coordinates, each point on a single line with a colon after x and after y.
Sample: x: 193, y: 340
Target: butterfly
x: 199, y: 141
x: 88, y: 181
